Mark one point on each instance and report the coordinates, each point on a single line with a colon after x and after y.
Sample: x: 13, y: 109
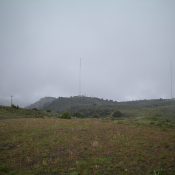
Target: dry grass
x: 85, y: 147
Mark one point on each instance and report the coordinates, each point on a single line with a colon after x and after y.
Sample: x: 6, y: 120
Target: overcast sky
x: 125, y: 45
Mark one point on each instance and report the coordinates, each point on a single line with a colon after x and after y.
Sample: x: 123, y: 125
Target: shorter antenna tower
x: 171, y: 78
x: 80, y: 72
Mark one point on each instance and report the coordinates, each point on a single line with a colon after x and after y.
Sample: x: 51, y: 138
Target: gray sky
x: 126, y: 47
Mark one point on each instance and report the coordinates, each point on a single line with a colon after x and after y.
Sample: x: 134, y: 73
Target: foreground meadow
x: 85, y: 147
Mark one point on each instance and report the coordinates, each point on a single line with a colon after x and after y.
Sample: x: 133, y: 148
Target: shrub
x: 35, y: 109
x: 66, y: 115
x: 78, y: 115
x: 117, y: 114
x: 15, y: 106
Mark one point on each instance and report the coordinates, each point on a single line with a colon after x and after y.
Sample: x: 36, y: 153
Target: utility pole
x: 11, y: 99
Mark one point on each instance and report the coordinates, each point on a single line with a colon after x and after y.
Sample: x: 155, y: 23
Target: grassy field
x: 13, y: 113
x: 49, y: 146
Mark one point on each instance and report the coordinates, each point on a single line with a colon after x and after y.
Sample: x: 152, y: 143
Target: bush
x: 15, y: 106
x: 66, y: 115
x: 78, y: 115
x: 35, y: 109
x: 117, y: 114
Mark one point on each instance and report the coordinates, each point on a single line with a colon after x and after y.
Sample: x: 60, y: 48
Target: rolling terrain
x: 140, y: 142
x: 90, y: 107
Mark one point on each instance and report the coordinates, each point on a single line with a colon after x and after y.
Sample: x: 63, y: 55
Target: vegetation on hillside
x: 84, y: 147
x: 88, y: 107
x: 122, y: 138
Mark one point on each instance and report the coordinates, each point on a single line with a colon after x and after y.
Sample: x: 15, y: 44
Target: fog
x: 126, y: 49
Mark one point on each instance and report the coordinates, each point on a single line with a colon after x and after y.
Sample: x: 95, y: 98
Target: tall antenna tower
x: 80, y: 72
x: 171, y: 78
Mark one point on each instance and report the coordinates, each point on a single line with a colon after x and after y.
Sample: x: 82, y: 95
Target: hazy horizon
x: 126, y: 48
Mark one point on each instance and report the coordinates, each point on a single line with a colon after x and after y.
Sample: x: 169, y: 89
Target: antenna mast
x: 171, y: 76
x: 80, y: 77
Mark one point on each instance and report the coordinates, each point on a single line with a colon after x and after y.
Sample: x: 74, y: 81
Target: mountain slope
x: 42, y: 103
x: 95, y: 107
x: 75, y: 104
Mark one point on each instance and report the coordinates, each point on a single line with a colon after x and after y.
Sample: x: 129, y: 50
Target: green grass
x: 13, y: 113
x: 37, y: 142
x: 85, y: 147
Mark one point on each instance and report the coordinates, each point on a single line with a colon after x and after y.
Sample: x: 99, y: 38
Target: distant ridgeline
x: 96, y: 107
x: 78, y: 104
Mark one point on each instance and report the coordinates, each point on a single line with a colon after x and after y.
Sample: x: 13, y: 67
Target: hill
x: 74, y: 104
x: 95, y: 107
x: 85, y: 105
x: 42, y: 103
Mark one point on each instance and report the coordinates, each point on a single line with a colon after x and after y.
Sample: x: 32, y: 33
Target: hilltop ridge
x: 41, y: 103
